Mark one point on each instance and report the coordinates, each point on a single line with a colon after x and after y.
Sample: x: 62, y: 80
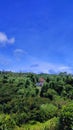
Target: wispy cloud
x: 5, y: 40
x: 20, y: 51
x: 34, y: 65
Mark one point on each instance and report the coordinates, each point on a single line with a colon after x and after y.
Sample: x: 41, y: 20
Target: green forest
x: 28, y: 104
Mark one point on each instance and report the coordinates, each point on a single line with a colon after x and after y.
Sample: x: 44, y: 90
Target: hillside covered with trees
x: 25, y: 105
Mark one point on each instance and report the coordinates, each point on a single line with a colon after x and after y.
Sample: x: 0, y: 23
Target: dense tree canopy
x: 23, y: 100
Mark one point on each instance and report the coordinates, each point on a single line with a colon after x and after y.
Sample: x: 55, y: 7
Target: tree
x: 44, y: 89
x: 50, y: 93
x: 6, y: 122
x: 66, y: 117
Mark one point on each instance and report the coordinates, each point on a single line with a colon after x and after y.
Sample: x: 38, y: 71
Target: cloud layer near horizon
x: 18, y: 63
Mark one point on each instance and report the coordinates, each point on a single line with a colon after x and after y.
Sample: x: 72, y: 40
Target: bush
x: 47, y: 111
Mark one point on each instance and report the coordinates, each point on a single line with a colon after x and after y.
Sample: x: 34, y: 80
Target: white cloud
x: 11, y: 40
x: 4, y: 39
x: 19, y: 51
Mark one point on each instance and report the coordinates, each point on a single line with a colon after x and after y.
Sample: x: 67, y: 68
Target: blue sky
x: 36, y: 35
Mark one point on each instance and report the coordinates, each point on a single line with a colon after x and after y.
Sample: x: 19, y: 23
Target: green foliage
x: 66, y: 117
x: 22, y: 102
x: 20, y: 118
x: 6, y: 122
x: 44, y: 89
x: 51, y: 93
x: 52, y: 124
x: 47, y: 111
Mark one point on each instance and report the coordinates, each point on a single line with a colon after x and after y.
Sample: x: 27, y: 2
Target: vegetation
x: 26, y: 106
